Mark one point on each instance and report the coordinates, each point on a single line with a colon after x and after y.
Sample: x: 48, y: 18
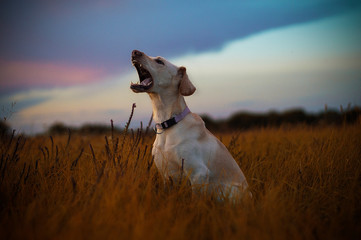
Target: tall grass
x: 306, y: 184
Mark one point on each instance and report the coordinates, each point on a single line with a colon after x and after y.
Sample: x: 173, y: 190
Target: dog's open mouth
x: 145, y: 79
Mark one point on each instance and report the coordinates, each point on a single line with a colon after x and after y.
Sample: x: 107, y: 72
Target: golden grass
x: 306, y: 184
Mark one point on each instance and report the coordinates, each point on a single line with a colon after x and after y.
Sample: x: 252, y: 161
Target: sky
x: 67, y: 61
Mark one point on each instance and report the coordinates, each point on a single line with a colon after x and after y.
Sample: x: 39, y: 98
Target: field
x: 306, y: 184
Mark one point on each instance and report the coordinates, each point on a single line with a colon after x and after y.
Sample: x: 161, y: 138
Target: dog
x: 182, y: 140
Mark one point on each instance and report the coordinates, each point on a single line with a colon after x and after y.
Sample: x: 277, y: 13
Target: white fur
x: 207, y: 162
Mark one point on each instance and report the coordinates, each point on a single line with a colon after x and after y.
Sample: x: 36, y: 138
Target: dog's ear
x: 186, y: 88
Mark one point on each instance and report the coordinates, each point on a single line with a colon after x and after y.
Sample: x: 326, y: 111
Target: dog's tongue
x: 146, y: 82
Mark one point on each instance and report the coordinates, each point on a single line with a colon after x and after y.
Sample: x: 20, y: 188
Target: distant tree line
x: 5, y: 129
x: 237, y: 121
x: 243, y: 121
x: 60, y: 128
x: 249, y: 120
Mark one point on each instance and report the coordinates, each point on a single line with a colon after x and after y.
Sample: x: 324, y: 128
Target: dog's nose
x: 136, y: 53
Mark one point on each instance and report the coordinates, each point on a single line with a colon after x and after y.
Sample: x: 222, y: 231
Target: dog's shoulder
x: 196, y: 126
x: 196, y: 121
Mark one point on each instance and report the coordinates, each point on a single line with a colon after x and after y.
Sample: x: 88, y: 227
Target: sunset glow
x: 75, y: 65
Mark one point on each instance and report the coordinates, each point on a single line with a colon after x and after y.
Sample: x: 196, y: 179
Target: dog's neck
x: 165, y: 106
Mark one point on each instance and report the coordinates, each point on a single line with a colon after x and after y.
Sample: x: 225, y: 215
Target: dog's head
x: 157, y: 75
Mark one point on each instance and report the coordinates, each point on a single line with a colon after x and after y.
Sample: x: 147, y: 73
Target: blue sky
x: 70, y: 62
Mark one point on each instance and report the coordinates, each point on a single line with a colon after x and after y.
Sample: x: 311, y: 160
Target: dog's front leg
x: 199, y: 178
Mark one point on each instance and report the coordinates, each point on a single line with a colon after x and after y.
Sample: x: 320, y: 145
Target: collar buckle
x: 157, y: 127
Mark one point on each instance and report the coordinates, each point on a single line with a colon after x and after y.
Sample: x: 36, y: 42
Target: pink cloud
x: 20, y: 74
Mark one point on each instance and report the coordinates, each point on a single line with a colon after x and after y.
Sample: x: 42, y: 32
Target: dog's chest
x: 165, y: 156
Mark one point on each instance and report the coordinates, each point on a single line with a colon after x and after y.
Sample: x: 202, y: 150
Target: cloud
x: 97, y: 102
x: 104, y: 35
x: 304, y: 65
x: 307, y: 65
x: 22, y: 75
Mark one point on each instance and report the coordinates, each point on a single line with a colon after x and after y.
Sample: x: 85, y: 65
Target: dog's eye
x: 159, y: 61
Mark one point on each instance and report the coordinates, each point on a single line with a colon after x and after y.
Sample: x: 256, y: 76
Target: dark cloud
x: 103, y: 33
